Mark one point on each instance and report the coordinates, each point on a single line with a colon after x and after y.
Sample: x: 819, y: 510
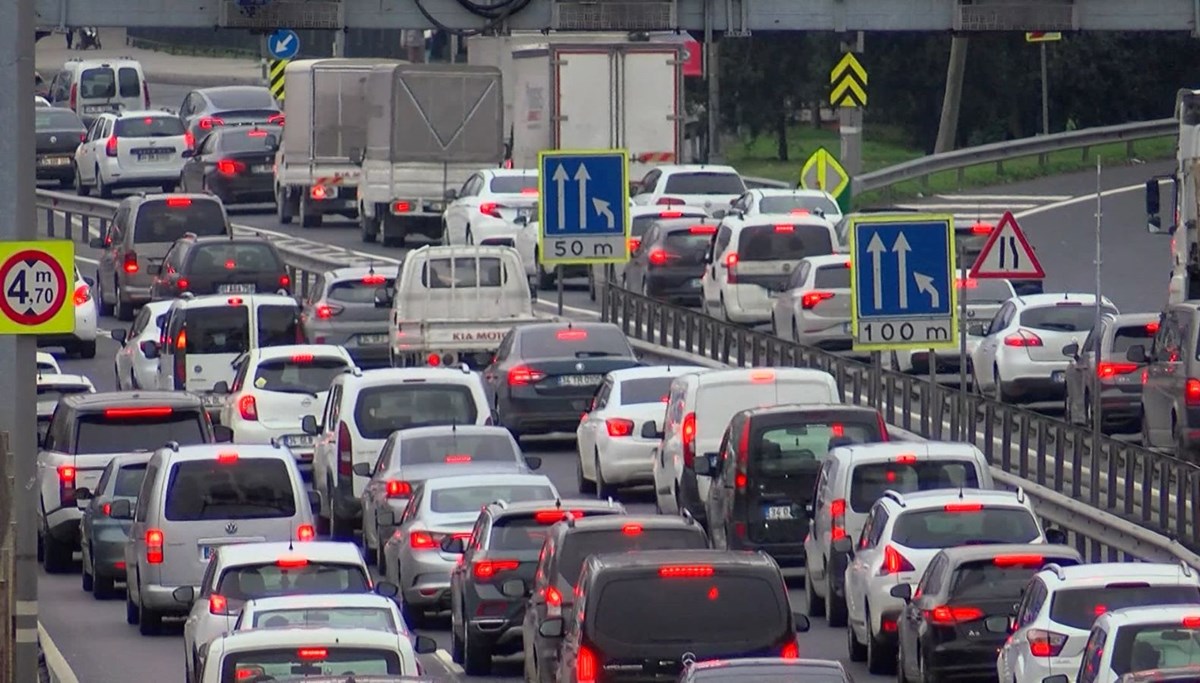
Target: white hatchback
x: 132, y: 149
x: 134, y: 368
x: 489, y: 203
x: 814, y: 309
x: 269, y: 654
x: 82, y: 341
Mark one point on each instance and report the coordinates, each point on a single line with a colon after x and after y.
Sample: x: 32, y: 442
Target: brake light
x: 1044, y: 643
x: 106, y: 509
x: 905, y: 459
x: 948, y: 615
x: 554, y: 516
x: 963, y: 507
x: 217, y: 604
x: 799, y: 212
x: 110, y: 147
x: 810, y: 299
x: 125, y: 413
x: 313, y: 653
x: 1192, y: 392
x: 490, y: 209
x: 1106, y: 370
x: 618, y: 427
x: 180, y: 363
x: 669, y: 201
x: 634, y: 243
x: 455, y: 459
x: 327, y: 311
x: 762, y: 376
x: 485, y: 570
x: 154, y: 546
x: 670, y: 214
x: 433, y: 359
x: 74, y: 95
x: 743, y: 455
x: 837, y: 514
x: 553, y: 597
x: 230, y: 167
x: 966, y: 283
x: 306, y: 532
x: 571, y: 334
x: 1022, y: 338
x: 421, y: 540
x: 790, y: 651
x: 189, y: 140
x: 210, y: 122
x: 345, y: 451
x: 398, y: 489
x: 1152, y: 328
x: 585, y: 663
x: 1191, y: 622
x: 248, y: 408
x: 731, y: 261
x: 685, y: 571
x: 702, y: 229
x: 401, y: 207
x: 894, y: 562
x: 226, y: 458
x: 522, y: 375
x: 374, y: 279
x: 632, y: 529
x: 658, y: 257
x: 302, y: 358
x: 1019, y: 561
x: 66, y: 484
x: 529, y: 191
x: 83, y: 294
x: 687, y: 433
x: 182, y: 284
x: 785, y: 228
x: 130, y: 262
x: 981, y: 229
x: 277, y: 119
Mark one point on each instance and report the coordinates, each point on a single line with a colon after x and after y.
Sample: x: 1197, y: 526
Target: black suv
x: 569, y: 543
x: 221, y: 265
x: 641, y: 615
x: 765, y: 471
x: 489, y: 584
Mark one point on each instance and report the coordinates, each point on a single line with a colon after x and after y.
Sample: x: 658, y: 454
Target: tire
x: 131, y: 611
x: 604, y: 490
x: 815, y: 603
x: 104, y: 191
x: 85, y: 579
x: 56, y: 557
x: 308, y: 218
x: 585, y: 485
x: 545, y: 281
x: 369, y: 554
x: 857, y: 652
x: 86, y: 349
x: 102, y: 588
x: 103, y: 308
x: 283, y: 207
x: 64, y: 183
x: 836, y: 613
x: 369, y: 227
x: 415, y: 618
x: 881, y: 657
x: 456, y: 646
x: 80, y: 189
x: 149, y: 621
x: 477, y: 659
x: 123, y: 310
x: 380, y: 556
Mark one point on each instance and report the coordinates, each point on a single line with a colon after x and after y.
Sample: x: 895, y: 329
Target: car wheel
x: 309, y: 218
x: 56, y: 556
x: 795, y: 332
x: 149, y: 621
x: 857, y: 651
x: 86, y: 349
x: 123, y: 309
x: 103, y: 588
x: 584, y: 484
x: 604, y: 490
x: 283, y: 207
x: 85, y: 576
x: 380, y: 556
x: 477, y: 657
x: 456, y: 646
x: 131, y: 610
x: 369, y: 226
x: 815, y: 603
x: 926, y: 675
x: 545, y: 279
x: 80, y: 189
x: 836, y: 614
x: 102, y: 189
x: 881, y: 657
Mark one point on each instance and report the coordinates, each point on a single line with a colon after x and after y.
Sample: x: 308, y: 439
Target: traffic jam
x: 326, y: 486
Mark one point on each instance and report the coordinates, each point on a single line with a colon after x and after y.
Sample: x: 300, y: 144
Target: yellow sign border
x: 539, y: 257
x: 852, y: 229
x: 62, y: 251
x: 823, y: 171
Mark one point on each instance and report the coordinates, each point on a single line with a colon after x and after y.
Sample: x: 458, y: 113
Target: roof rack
x: 1057, y: 569
x: 896, y: 496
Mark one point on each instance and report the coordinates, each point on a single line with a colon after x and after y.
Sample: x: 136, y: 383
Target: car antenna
x: 960, y: 493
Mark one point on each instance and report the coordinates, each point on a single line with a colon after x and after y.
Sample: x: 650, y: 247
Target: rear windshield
x: 57, y: 119
x: 922, y: 529
x: 357, y: 291
x: 248, y: 257
x: 986, y: 580
x: 301, y: 374
x: 374, y: 618
x: 723, y: 609
x: 986, y: 291
x: 472, y: 498
x: 129, y: 480
x: 1132, y: 335
x: 149, y: 127
x: 158, y: 221
x: 250, y: 582
x: 129, y: 83
x: 798, y: 204
x: 444, y: 273
x: 801, y: 445
x: 1062, y: 317
x: 515, y: 184
x: 97, y: 83
x: 687, y: 247
x: 249, y: 488
x: 249, y: 98
x: 54, y: 392
x: 577, y: 546
x: 218, y: 329
x: 125, y: 430
x: 645, y: 390
x: 638, y: 225
x: 784, y: 242
x: 704, y: 183
x: 298, y: 663
x: 254, y: 140
x: 520, y: 532
x: 868, y: 482
x: 1079, y: 607
x: 1154, y: 646
x: 382, y: 410
x: 279, y: 325
x: 575, y: 342
x: 457, y: 448
x: 832, y: 277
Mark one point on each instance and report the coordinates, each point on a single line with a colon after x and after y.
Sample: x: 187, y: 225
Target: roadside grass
x: 192, y: 51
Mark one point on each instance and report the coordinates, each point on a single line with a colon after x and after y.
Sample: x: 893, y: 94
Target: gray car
x: 340, y: 309
x: 1115, y: 378
x: 102, y: 539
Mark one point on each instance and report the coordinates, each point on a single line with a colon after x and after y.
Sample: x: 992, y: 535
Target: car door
x: 636, y: 270
x: 1027, y: 611
x: 712, y: 281
x: 1153, y: 394
x: 910, y: 618
x: 816, y: 543
x: 491, y: 374
x: 1177, y: 366
x: 985, y: 353
x: 85, y: 160
x: 858, y: 571
x: 112, y: 254
x: 196, y: 167
x: 787, y: 302
x: 374, y: 495
x: 593, y: 420
x: 124, y: 358
x: 645, y: 190
x: 721, y: 492
x: 458, y: 213
x: 1077, y: 380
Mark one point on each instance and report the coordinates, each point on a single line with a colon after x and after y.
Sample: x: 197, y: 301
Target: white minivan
x: 699, y: 408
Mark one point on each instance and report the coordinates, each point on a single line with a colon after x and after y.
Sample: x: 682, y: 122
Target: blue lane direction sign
x: 283, y: 44
x: 583, y: 212
x: 903, y: 287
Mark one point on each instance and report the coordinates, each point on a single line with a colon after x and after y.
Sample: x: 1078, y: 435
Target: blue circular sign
x: 283, y: 44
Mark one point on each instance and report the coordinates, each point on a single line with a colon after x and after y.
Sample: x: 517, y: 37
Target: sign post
x: 848, y: 91
x: 1041, y: 38
x: 284, y: 45
x: 823, y: 172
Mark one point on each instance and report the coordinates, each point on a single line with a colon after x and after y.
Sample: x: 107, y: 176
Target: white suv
x: 781, y: 200
x: 1060, y: 604
x: 133, y: 149
x: 710, y: 187
x: 901, y: 536
x: 1139, y: 639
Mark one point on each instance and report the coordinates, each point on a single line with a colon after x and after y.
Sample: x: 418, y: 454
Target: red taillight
x: 210, y: 122
x: 83, y: 294
x: 433, y: 360
x: 152, y: 411
x: 1152, y: 328
x: 810, y: 299
x: 74, y: 95
x: 740, y: 478
x: 981, y: 229
x: 553, y: 597
x: 490, y: 209
x: 965, y: 283
x: 1022, y: 338
x: 421, y: 540
x: 1191, y: 622
x: 302, y: 358
x: 110, y: 147
x: 837, y: 514
x: 179, y: 202
x: 571, y: 334
x: 632, y: 529
x: 762, y: 376
x: 130, y: 262
x: 658, y: 257
x: 457, y: 458
x: 1019, y: 561
x: 894, y: 562
x: 685, y: 571
x: 963, y: 507
x: 248, y: 408
x: 227, y: 458
x: 292, y: 561
x: 731, y: 261
x: 555, y: 516
x: 790, y: 651
x: 687, y: 433
x: 522, y: 375
x: 66, y: 484
x: 182, y: 284
x: 618, y: 427
x: 285, y: 281
x: 230, y: 167
x: 785, y: 228
x: 1044, y: 643
x: 401, y: 207
x: 345, y: 451
x: 669, y: 201
x: 585, y: 665
x: 106, y: 509
x: 485, y: 570
x: 279, y: 119
x: 306, y: 532
x: 634, y: 243
x: 905, y: 459
x: 217, y: 604
x: 398, y: 489
x: 948, y: 615
x: 1191, y: 391
x: 154, y: 546
x: 327, y: 311
x: 670, y: 214
x: 374, y: 279
x: 1106, y: 370
x: 702, y: 230
x: 189, y: 140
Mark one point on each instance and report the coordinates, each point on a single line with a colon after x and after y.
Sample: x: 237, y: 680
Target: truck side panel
x: 532, y: 127
x: 652, y: 107
x: 587, y: 109
x: 339, y: 119
x: 447, y: 115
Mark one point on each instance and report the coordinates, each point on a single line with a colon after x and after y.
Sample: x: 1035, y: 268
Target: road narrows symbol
x: 33, y: 288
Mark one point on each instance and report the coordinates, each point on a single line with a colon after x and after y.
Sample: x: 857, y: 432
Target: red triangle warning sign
x: 1007, y: 254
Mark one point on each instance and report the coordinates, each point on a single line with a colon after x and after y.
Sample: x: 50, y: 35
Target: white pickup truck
x: 455, y: 304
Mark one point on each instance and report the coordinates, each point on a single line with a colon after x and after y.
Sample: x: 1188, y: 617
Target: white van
x: 699, y: 408
x: 202, y: 336
x: 91, y: 87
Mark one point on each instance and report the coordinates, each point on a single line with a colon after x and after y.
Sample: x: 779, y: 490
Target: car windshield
x: 784, y: 242
x: 798, y: 204
x: 1154, y: 646
x: 124, y: 430
x: 148, y: 127
x: 985, y: 291
x: 169, y: 220
x: 54, y: 392
x: 279, y: 325
x: 358, y: 291
x: 452, y: 447
x: 299, y: 374
x: 263, y: 140
x: 515, y: 184
x: 1079, y: 607
x: 573, y: 342
x: 98, y: 83
x: 129, y: 480
x: 240, y: 98
x: 645, y: 390
x: 374, y: 618
x: 57, y: 119
x: 869, y: 481
x: 967, y: 525
x: 241, y: 488
x: 472, y: 498
x: 577, y: 546
x: 240, y: 257
x: 775, y: 674
x: 520, y: 532
x: 638, y: 225
x: 832, y: 277
x: 288, y: 664
x: 1062, y: 317
x: 291, y: 576
x: 446, y: 273
x: 217, y: 329
x: 382, y: 410
x: 704, y: 183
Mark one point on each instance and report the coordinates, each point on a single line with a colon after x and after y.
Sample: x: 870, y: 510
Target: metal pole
x: 558, y: 283
x: 17, y: 352
x: 1045, y: 93
x: 339, y: 43
x: 963, y: 323
x: 850, y: 122
x: 712, y: 75
x: 1097, y: 419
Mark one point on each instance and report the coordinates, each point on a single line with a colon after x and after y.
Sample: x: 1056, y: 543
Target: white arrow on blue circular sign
x: 283, y: 44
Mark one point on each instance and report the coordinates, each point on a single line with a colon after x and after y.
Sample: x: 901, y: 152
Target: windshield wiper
x: 594, y: 354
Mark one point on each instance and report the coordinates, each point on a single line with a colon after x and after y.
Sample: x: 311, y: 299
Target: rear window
x: 129, y: 480
x: 250, y: 98
x: 783, y: 242
x: 515, y: 184
x: 832, y: 277
x: 1062, y: 317
x: 218, y: 329
x: 457, y: 448
x: 149, y: 127
x: 444, y: 273
x: 300, y: 374
x: 298, y: 663
x: 1133, y: 335
x: 995, y: 579
x: 868, y: 482
x: 279, y: 326
x: 472, y: 498
x: 357, y: 291
x: 57, y: 119
x: 374, y: 618
x: 704, y: 183
x: 54, y: 392
x: 645, y: 390
x: 254, y: 140
x: 161, y: 221
x: 922, y: 529
x: 685, y: 246
x: 574, y: 342
x: 249, y: 257
x: 522, y: 531
x: 382, y: 410
x: 97, y: 83
x: 250, y: 582
x: 247, y: 488
x: 124, y: 430
x: 638, y: 225
x: 986, y: 291
x: 725, y: 609
x: 798, y: 204
x: 577, y: 546
x: 129, y: 83
x: 1154, y: 646
x: 1079, y: 607
x: 801, y: 445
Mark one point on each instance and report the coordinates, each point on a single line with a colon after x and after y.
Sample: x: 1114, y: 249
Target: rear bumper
x: 543, y: 414
x: 249, y: 188
x: 963, y: 659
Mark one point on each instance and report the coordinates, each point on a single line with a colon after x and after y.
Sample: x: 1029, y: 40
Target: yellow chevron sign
x: 848, y: 81
x: 275, y: 77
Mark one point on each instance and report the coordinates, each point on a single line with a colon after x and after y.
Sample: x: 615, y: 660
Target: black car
x: 59, y: 132
x: 764, y: 480
x: 236, y: 163
x: 206, y: 109
x: 959, y: 615
x: 569, y: 543
x: 220, y: 265
x: 545, y: 374
x: 669, y: 260
x: 767, y: 670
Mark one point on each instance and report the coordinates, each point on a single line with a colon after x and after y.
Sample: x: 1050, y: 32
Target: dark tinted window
x: 299, y: 663
x: 472, y: 498
x: 249, y: 582
x: 574, y: 342
x: 129, y: 480
x: 129, y: 83
x: 357, y: 291
x: 784, y: 242
x: 788, y: 673
x: 444, y: 273
x: 54, y: 392
x: 800, y: 445
x: 520, y: 531
x: 985, y: 291
x: 797, y: 204
x: 832, y: 277
x: 704, y: 183
x: 577, y: 546
x: 279, y: 326
x: 300, y: 374
x: 220, y: 258
x: 167, y: 221
x: 253, y: 140
x: 718, y: 609
x: 457, y: 448
x: 97, y: 84
x: 638, y: 225
x: 57, y: 119
x: 993, y: 580
x: 1079, y: 607
x: 124, y: 430
x: 946, y: 529
x: 1069, y: 317
x: 1133, y: 335
x: 515, y: 184
x: 645, y: 390
x: 249, y: 98
x: 247, y: 488
x: 149, y: 127
x: 382, y: 410
x: 217, y: 329
x: 1154, y: 646
x: 686, y: 246
x: 868, y: 482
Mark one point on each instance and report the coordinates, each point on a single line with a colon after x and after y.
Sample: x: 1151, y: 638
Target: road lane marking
x: 1005, y: 197
x: 447, y: 661
x: 1077, y: 200
x: 60, y: 670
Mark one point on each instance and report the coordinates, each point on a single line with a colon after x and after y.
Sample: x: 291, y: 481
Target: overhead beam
x: 760, y: 15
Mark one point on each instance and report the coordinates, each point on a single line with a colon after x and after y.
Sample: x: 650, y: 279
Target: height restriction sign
x: 36, y: 279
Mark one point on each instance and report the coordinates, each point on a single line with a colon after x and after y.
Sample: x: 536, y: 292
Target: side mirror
x: 801, y: 621
x: 901, y: 591
x: 1137, y: 354
x: 533, y: 462
x: 383, y: 299
x: 385, y: 517
x: 314, y: 500
x: 976, y: 329
x: 121, y: 509
x: 513, y: 588
x: 119, y: 335
x: 221, y: 387
x: 222, y: 434
x: 90, y: 281
x: 387, y: 589
x: 184, y: 595
x: 650, y: 431
x: 356, y: 156
x: 361, y: 469
x: 187, y: 154
x: 83, y: 497
x: 551, y: 628
x: 308, y: 425
x: 996, y: 624
x: 1056, y: 536
x: 453, y: 545
x: 96, y: 243
x: 149, y: 349
x: 1153, y: 207
x: 521, y: 220
x: 844, y: 546
x: 706, y: 466
x: 451, y: 194
x: 1071, y: 350
x: 424, y: 645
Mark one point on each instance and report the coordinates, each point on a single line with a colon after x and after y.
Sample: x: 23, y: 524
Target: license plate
x: 260, y: 168
x: 54, y: 161
x: 580, y: 380
x: 206, y: 552
x: 211, y: 400
x: 372, y: 339
x: 1058, y: 377
x: 298, y: 440
x: 236, y: 289
x: 96, y: 108
x: 778, y: 512
x: 156, y: 155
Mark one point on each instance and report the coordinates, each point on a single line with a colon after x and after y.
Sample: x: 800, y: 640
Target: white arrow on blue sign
x: 583, y: 214
x: 283, y: 44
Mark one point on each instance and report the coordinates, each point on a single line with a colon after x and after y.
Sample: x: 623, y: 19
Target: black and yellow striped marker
x: 275, y: 80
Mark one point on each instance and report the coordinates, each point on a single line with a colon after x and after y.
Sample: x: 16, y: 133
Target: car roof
x: 509, y: 172
x: 748, y: 374
x: 697, y: 168
x: 1102, y: 573
x: 1031, y: 300
x: 642, y: 210
x: 789, y: 192
x: 1150, y: 614
x: 287, y: 351
x: 972, y: 553
x: 765, y: 219
x: 154, y: 113
x: 648, y: 559
x: 773, y: 662
x: 564, y: 504
x: 126, y: 459
x: 924, y: 500
x: 653, y: 371
x: 1125, y: 319
x: 230, y: 88
x: 387, y: 376
x: 101, y: 61
x: 259, y: 638
x: 648, y: 521
x: 210, y: 451
x: 684, y: 222
x: 828, y: 260
x: 787, y: 408
x: 315, y: 551
x: 562, y: 325
x: 131, y: 399
x: 164, y: 196
x: 318, y: 601
x: 882, y: 452
x: 212, y: 300
x: 462, y: 481
x: 225, y: 239
x: 448, y: 430
x: 358, y: 272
